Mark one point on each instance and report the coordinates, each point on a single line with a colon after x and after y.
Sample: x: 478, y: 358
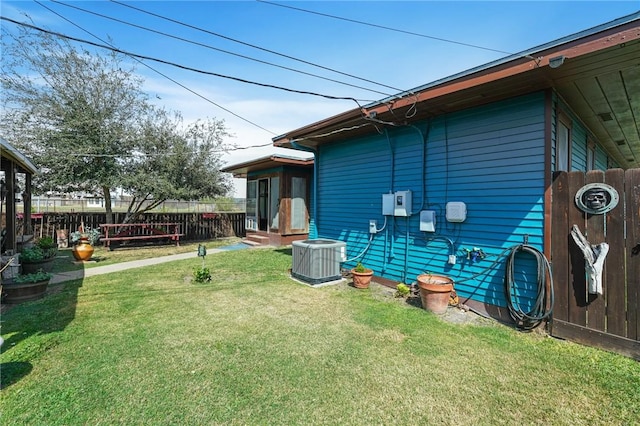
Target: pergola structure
x: 14, y: 163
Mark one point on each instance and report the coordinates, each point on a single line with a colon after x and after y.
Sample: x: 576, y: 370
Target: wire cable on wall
x: 362, y: 252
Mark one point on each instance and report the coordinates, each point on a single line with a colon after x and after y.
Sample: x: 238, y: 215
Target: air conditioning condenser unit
x: 318, y: 261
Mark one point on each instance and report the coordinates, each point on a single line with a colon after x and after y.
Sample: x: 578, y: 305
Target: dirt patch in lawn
x: 454, y: 314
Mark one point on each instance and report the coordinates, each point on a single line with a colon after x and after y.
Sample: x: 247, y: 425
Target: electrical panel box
x: 388, y: 201
x: 402, y: 203
x: 456, y: 211
x: 428, y: 221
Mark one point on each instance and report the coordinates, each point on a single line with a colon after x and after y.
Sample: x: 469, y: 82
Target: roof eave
x: 11, y: 153
x: 242, y: 169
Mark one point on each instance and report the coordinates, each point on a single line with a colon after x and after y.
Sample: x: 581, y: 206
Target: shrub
x: 33, y: 277
x: 402, y: 290
x: 201, y: 275
x: 46, y: 243
x: 37, y: 254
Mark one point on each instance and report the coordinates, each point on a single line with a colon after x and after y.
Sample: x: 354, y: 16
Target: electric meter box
x: 428, y: 220
x: 388, y: 201
x: 402, y: 203
x: 456, y: 211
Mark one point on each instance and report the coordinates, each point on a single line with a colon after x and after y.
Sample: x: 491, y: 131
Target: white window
x: 252, y: 205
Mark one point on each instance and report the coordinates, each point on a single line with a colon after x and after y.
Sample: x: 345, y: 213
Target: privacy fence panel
x: 609, y: 320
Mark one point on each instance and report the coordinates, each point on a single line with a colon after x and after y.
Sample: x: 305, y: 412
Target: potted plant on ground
x: 25, y: 287
x: 435, y: 291
x: 361, y: 276
x: 84, y: 240
x: 40, y: 256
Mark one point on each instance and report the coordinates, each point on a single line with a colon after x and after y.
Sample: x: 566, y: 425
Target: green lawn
x: 254, y: 347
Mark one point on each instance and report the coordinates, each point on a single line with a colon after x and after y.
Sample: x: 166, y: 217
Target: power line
x: 217, y: 49
x: 160, y: 73
x: 232, y: 148
x: 256, y: 47
x: 391, y: 29
x: 157, y: 154
x: 184, y: 67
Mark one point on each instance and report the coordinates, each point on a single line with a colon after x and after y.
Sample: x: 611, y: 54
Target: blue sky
x: 392, y: 58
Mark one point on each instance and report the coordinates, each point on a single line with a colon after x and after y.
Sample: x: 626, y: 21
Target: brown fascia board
x: 486, y: 75
x: 574, y: 49
x: 241, y: 170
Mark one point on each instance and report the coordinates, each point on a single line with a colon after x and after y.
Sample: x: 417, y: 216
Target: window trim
x: 591, y: 155
x: 563, y: 120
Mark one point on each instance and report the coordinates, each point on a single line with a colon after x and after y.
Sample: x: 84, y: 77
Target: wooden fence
x: 609, y: 321
x: 194, y: 226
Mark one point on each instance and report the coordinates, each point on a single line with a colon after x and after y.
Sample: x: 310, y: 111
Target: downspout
x: 313, y: 231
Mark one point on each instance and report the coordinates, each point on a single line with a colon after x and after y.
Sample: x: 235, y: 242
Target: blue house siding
x: 491, y: 158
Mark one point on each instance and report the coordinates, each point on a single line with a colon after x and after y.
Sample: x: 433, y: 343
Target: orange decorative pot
x: 83, y: 250
x: 435, y: 291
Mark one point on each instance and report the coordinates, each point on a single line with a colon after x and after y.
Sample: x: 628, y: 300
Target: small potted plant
x: 26, y: 287
x: 40, y: 256
x: 361, y: 276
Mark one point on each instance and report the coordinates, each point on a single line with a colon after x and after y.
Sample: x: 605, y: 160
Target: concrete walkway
x: 117, y: 267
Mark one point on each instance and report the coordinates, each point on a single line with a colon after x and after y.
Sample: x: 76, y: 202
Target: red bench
x: 121, y: 232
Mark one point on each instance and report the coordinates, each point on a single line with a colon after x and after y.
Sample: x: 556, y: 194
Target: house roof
x: 9, y: 152
x: 268, y: 162
x: 596, y: 72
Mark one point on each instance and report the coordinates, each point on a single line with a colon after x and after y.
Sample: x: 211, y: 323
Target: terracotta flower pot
x: 83, y: 250
x: 361, y: 279
x: 435, y: 291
